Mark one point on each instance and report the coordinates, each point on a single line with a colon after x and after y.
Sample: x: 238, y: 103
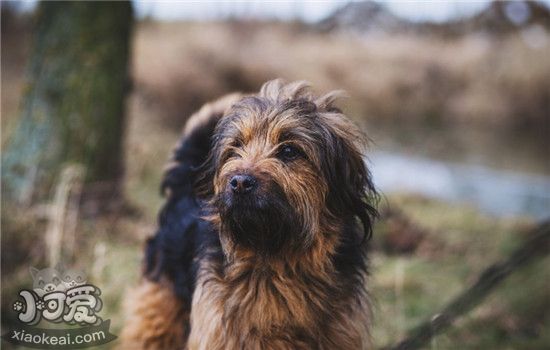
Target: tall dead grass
x: 476, y: 79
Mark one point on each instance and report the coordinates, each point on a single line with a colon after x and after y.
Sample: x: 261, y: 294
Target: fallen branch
x: 538, y: 244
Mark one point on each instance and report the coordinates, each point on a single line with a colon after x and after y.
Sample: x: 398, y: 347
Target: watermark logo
x: 60, y: 296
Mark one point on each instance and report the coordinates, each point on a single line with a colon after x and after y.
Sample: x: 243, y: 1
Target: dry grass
x: 475, y: 79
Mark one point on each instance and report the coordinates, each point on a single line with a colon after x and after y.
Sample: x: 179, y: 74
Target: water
x: 497, y: 192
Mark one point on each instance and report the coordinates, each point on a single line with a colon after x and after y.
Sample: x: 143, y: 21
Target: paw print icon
x: 18, y: 306
x: 40, y: 305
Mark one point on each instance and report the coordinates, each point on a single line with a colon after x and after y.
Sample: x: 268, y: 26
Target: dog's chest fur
x: 255, y: 306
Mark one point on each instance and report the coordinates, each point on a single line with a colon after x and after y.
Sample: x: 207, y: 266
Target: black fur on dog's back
x: 183, y: 235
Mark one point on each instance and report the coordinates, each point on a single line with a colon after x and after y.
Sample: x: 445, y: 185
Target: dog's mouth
x: 263, y: 221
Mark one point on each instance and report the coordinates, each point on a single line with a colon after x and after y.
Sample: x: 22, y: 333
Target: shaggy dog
x: 262, y: 240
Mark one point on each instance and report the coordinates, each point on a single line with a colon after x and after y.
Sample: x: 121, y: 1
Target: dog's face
x: 284, y: 168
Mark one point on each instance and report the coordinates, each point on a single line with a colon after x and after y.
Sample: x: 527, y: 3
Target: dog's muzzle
x: 256, y: 214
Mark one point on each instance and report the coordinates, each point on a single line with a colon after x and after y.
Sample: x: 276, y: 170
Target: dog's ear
x: 204, y: 185
x: 351, y: 190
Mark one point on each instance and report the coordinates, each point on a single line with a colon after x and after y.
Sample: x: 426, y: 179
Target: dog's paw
x: 40, y: 305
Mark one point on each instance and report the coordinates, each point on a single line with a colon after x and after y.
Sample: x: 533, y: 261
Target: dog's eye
x: 235, y: 145
x: 288, y: 153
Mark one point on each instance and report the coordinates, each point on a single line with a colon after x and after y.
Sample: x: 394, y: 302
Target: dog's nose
x: 242, y: 183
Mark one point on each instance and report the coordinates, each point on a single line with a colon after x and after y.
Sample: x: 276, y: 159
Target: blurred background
x: 455, y: 97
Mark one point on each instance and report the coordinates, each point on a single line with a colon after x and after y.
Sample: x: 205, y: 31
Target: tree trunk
x: 73, y: 108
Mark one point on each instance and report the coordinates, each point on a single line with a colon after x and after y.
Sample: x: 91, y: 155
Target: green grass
x: 458, y: 244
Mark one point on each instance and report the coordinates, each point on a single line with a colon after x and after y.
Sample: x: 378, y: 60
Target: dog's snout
x: 242, y: 183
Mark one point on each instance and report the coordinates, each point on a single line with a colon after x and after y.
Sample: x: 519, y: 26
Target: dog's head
x: 285, y: 168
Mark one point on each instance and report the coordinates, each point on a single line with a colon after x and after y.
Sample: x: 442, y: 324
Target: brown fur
x: 154, y: 319
x: 273, y: 309
x: 296, y: 291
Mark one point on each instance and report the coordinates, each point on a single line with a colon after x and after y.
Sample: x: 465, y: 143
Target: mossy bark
x: 73, y: 108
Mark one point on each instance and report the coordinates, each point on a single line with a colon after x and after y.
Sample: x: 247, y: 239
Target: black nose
x: 242, y: 183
